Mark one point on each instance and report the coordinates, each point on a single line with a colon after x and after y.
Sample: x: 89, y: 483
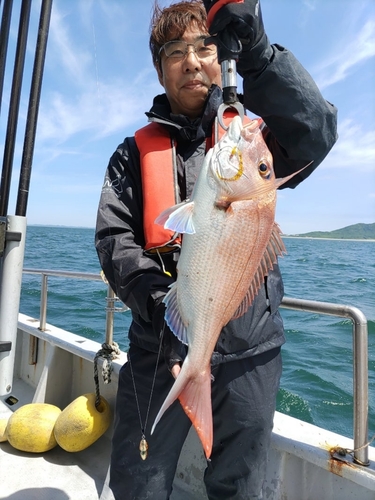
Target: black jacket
x: 301, y: 127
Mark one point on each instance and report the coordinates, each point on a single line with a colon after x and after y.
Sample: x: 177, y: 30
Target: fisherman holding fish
x: 187, y: 239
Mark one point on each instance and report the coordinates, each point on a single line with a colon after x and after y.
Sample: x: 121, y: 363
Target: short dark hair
x: 170, y: 23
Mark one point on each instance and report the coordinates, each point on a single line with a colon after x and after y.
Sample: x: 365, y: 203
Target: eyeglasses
x: 178, y: 49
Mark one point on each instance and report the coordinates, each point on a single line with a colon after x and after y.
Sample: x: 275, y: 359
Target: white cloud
x: 355, y: 148
x: 310, y: 4
x: 81, y: 100
x: 71, y: 59
x: 348, y: 53
x: 118, y: 105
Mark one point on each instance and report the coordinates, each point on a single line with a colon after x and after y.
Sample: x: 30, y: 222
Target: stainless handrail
x: 110, y: 299
x: 360, y: 345
x: 360, y: 365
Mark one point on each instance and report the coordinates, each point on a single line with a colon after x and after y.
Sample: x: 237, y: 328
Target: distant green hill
x: 354, y: 232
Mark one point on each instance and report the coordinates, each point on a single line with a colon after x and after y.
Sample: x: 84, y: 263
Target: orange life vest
x: 159, y: 181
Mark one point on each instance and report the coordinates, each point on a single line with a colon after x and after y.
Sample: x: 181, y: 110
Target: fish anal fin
x: 172, y: 315
x: 178, y: 218
x: 195, y: 400
x: 274, y: 249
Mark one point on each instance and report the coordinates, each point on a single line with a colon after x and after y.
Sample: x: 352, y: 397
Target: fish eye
x: 264, y: 170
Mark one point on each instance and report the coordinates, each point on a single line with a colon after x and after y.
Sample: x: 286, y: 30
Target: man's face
x: 186, y: 81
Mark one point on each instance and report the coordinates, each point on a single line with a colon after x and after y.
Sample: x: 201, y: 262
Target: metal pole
x: 4, y: 37
x: 32, y: 116
x: 10, y: 298
x: 110, y: 309
x: 43, y: 303
x: 14, y: 107
x: 360, y: 387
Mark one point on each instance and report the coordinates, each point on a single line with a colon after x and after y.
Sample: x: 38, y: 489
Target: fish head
x: 241, y: 164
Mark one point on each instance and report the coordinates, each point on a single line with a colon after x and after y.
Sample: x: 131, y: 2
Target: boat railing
x: 360, y: 343
x: 111, y: 298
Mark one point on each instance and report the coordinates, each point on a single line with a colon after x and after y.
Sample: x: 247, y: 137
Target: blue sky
x: 99, y: 81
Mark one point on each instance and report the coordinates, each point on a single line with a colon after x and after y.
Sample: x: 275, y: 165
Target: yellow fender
x: 3, y: 426
x: 30, y: 428
x: 80, y: 424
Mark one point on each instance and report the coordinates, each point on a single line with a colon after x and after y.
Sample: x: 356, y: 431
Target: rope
x: 108, y: 352
x: 343, y: 451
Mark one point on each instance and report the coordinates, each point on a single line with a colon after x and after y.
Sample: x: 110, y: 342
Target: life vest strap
x: 158, y: 185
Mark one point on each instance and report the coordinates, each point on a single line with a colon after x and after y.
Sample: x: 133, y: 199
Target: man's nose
x: 192, y: 61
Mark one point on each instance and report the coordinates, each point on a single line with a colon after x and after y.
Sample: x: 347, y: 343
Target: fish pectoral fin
x: 172, y: 315
x: 283, y: 180
x: 195, y: 400
x: 178, y: 218
x: 274, y: 249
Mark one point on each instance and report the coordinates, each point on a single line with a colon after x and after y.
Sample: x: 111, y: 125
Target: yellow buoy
x: 80, y: 424
x: 30, y: 428
x: 3, y: 426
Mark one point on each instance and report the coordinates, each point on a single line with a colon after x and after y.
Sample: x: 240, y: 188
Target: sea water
x: 317, y: 381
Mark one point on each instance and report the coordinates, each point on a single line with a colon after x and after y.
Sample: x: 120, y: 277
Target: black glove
x: 174, y: 350
x: 244, y: 18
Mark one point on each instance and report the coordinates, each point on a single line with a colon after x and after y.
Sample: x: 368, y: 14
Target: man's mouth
x: 194, y: 84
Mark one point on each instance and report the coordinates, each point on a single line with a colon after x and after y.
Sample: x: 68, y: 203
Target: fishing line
x: 143, y: 445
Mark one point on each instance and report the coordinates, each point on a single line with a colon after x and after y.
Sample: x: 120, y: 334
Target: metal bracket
x: 5, y: 345
x: 13, y: 236
x: 2, y: 234
x: 7, y: 235
x: 236, y: 106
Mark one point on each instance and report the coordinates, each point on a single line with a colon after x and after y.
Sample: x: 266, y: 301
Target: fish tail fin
x: 195, y: 400
x: 194, y: 393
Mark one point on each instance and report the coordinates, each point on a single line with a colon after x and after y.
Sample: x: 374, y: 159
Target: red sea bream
x: 230, y: 242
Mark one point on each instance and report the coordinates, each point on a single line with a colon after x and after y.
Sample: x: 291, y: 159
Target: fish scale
x: 228, y: 259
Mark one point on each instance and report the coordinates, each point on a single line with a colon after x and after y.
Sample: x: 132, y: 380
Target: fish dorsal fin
x: 274, y: 248
x: 172, y: 315
x: 178, y: 218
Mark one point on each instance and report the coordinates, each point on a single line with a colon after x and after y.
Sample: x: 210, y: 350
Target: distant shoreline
x: 301, y: 237
x: 331, y: 239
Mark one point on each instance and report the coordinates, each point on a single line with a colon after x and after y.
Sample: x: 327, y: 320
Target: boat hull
x: 301, y: 465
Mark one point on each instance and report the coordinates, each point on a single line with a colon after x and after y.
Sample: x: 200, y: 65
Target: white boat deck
x: 300, y: 466
x: 54, y: 475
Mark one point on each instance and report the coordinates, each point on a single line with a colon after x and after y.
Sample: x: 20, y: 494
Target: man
x: 246, y: 364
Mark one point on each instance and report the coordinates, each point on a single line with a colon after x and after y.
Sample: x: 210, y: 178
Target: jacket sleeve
x: 301, y: 124
x: 138, y: 280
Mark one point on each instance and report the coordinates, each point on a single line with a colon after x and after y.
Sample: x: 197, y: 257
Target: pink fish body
x: 230, y: 243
